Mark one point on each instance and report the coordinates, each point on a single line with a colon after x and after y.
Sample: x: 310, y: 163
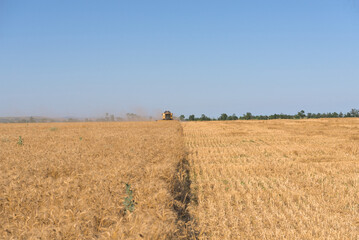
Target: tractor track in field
x: 182, y: 197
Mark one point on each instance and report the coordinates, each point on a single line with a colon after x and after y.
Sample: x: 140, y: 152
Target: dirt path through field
x: 275, y: 179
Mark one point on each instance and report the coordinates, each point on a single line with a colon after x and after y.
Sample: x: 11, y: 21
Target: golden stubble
x: 281, y: 179
x: 67, y: 180
x: 278, y: 179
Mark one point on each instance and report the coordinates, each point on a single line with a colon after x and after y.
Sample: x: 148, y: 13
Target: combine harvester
x: 167, y: 115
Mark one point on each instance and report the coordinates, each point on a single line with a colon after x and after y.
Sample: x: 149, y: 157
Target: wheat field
x: 67, y: 180
x: 278, y: 179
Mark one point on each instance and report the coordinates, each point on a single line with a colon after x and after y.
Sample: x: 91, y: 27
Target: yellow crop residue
x: 68, y: 180
x: 280, y: 179
x: 277, y: 179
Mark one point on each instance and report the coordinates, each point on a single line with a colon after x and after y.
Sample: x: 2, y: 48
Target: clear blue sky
x: 85, y: 58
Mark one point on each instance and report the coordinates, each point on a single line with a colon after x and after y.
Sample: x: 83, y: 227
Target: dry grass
x: 280, y: 179
x: 67, y: 180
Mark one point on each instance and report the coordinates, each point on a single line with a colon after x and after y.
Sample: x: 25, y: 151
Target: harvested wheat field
x: 277, y: 179
x: 68, y: 180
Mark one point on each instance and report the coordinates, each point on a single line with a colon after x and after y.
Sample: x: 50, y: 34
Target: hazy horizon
x: 86, y: 58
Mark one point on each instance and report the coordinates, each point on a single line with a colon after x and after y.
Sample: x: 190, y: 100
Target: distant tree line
x: 26, y: 120
x: 249, y: 116
x: 107, y: 118
x: 223, y: 117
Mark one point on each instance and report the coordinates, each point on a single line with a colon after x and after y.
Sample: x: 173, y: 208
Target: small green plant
x: 20, y: 141
x: 129, y: 202
x: 80, y: 138
x: 53, y: 129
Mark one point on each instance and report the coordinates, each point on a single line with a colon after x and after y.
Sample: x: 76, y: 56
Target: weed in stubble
x: 20, y: 141
x: 129, y: 202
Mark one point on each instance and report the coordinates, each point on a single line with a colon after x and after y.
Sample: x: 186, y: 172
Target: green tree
x: 347, y: 115
x: 182, y: 117
x: 301, y: 114
x: 204, y: 118
x: 248, y: 116
x: 354, y: 113
x: 223, y: 117
x: 233, y: 117
x: 191, y: 117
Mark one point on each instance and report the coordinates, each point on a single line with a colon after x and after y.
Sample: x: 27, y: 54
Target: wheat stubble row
x: 281, y: 179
